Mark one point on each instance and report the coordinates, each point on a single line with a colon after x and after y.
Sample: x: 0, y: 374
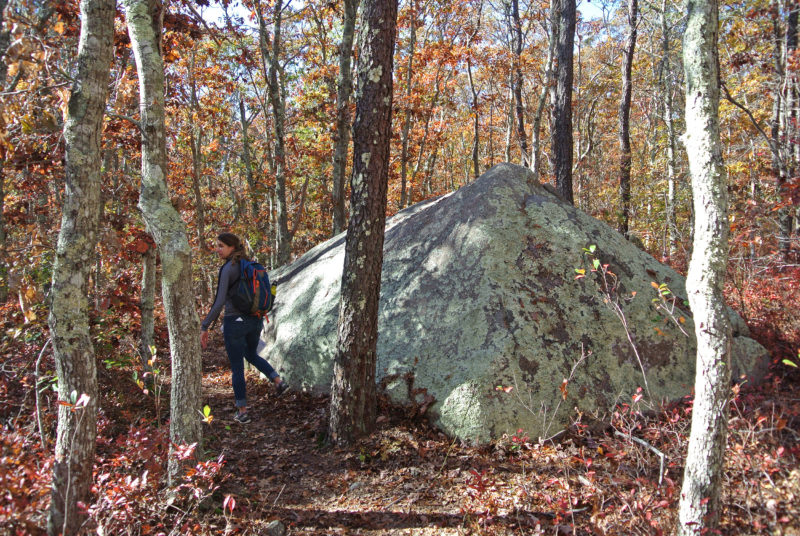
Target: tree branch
x: 772, y: 143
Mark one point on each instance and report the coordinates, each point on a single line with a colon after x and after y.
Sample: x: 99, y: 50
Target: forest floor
x: 607, y: 474
x: 407, y: 478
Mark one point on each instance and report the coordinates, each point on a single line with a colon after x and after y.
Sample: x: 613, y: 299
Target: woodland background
x: 455, y: 115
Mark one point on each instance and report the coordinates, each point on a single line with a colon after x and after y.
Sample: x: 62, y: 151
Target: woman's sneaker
x: 242, y: 417
x: 282, y: 388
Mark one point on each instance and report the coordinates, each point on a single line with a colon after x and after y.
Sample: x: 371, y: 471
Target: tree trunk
x: 341, y: 136
x: 69, y: 307
x: 5, y: 38
x: 247, y: 163
x: 672, y: 229
x: 625, y: 123
x: 702, y: 481
x: 563, y: 17
x: 147, y: 306
x: 536, y: 131
x: 412, y: 41
x: 353, y: 392
x: 476, y: 123
x: 195, y: 143
x: 518, y: 102
x: 169, y: 231
x: 275, y: 86
x: 789, y: 134
x: 509, y: 121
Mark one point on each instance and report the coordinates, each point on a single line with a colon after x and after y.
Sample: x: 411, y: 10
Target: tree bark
x: 195, y: 143
x: 275, y: 86
x: 625, y: 123
x: 412, y: 41
x: 147, y: 306
x: 476, y: 123
x: 536, y: 131
x: 5, y: 38
x: 353, y: 392
x: 788, y: 136
x: 672, y: 229
x: 519, y: 105
x: 247, y: 163
x: 341, y: 136
x: 700, y: 495
x: 169, y: 231
x: 69, y: 307
x: 563, y: 17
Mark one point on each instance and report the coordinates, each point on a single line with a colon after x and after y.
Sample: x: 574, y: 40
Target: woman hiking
x: 241, y: 331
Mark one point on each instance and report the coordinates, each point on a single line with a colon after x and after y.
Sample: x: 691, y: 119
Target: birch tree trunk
x: 700, y: 495
x: 353, y: 392
x: 69, y: 308
x: 563, y: 17
x: 341, y: 136
x: 625, y: 123
x: 168, y: 229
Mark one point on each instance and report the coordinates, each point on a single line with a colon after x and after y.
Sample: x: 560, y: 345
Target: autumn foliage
x: 594, y: 478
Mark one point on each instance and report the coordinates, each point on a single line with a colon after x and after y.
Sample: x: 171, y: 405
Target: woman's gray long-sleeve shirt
x: 228, y: 274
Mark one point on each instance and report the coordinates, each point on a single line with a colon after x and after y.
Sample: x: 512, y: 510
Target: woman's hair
x: 230, y: 239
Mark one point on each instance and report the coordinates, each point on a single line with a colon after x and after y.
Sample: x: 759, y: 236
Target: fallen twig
x: 662, y: 457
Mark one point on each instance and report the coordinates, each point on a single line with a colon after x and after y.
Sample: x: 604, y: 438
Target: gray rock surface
x: 479, y: 291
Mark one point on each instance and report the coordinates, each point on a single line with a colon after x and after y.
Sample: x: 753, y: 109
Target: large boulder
x: 482, y: 318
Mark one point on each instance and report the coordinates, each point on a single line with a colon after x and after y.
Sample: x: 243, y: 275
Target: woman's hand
x: 203, y: 339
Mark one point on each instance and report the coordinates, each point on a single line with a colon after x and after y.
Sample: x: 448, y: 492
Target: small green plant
x: 206, y: 413
x: 666, y: 302
x: 607, y: 283
x: 151, y: 379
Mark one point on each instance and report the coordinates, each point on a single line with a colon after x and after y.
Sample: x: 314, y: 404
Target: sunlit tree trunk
x: 247, y: 163
x: 164, y: 223
x: 563, y: 18
x: 666, y: 79
x: 788, y: 134
x: 699, y: 509
x: 271, y: 55
x: 353, y: 392
x: 341, y: 136
x: 536, y: 131
x: 69, y: 306
x: 509, y: 121
x: 625, y: 123
x: 412, y: 41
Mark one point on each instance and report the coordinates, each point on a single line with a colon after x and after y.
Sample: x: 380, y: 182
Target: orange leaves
x: 563, y: 388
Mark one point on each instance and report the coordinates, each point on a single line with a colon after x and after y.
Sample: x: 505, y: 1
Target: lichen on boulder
x: 481, y: 317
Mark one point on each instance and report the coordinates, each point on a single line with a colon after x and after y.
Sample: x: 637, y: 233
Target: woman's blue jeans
x: 241, y: 335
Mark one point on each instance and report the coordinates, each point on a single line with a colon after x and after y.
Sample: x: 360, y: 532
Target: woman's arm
x: 226, y: 277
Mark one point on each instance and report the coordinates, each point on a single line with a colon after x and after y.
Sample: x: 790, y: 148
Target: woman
x: 240, y: 330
